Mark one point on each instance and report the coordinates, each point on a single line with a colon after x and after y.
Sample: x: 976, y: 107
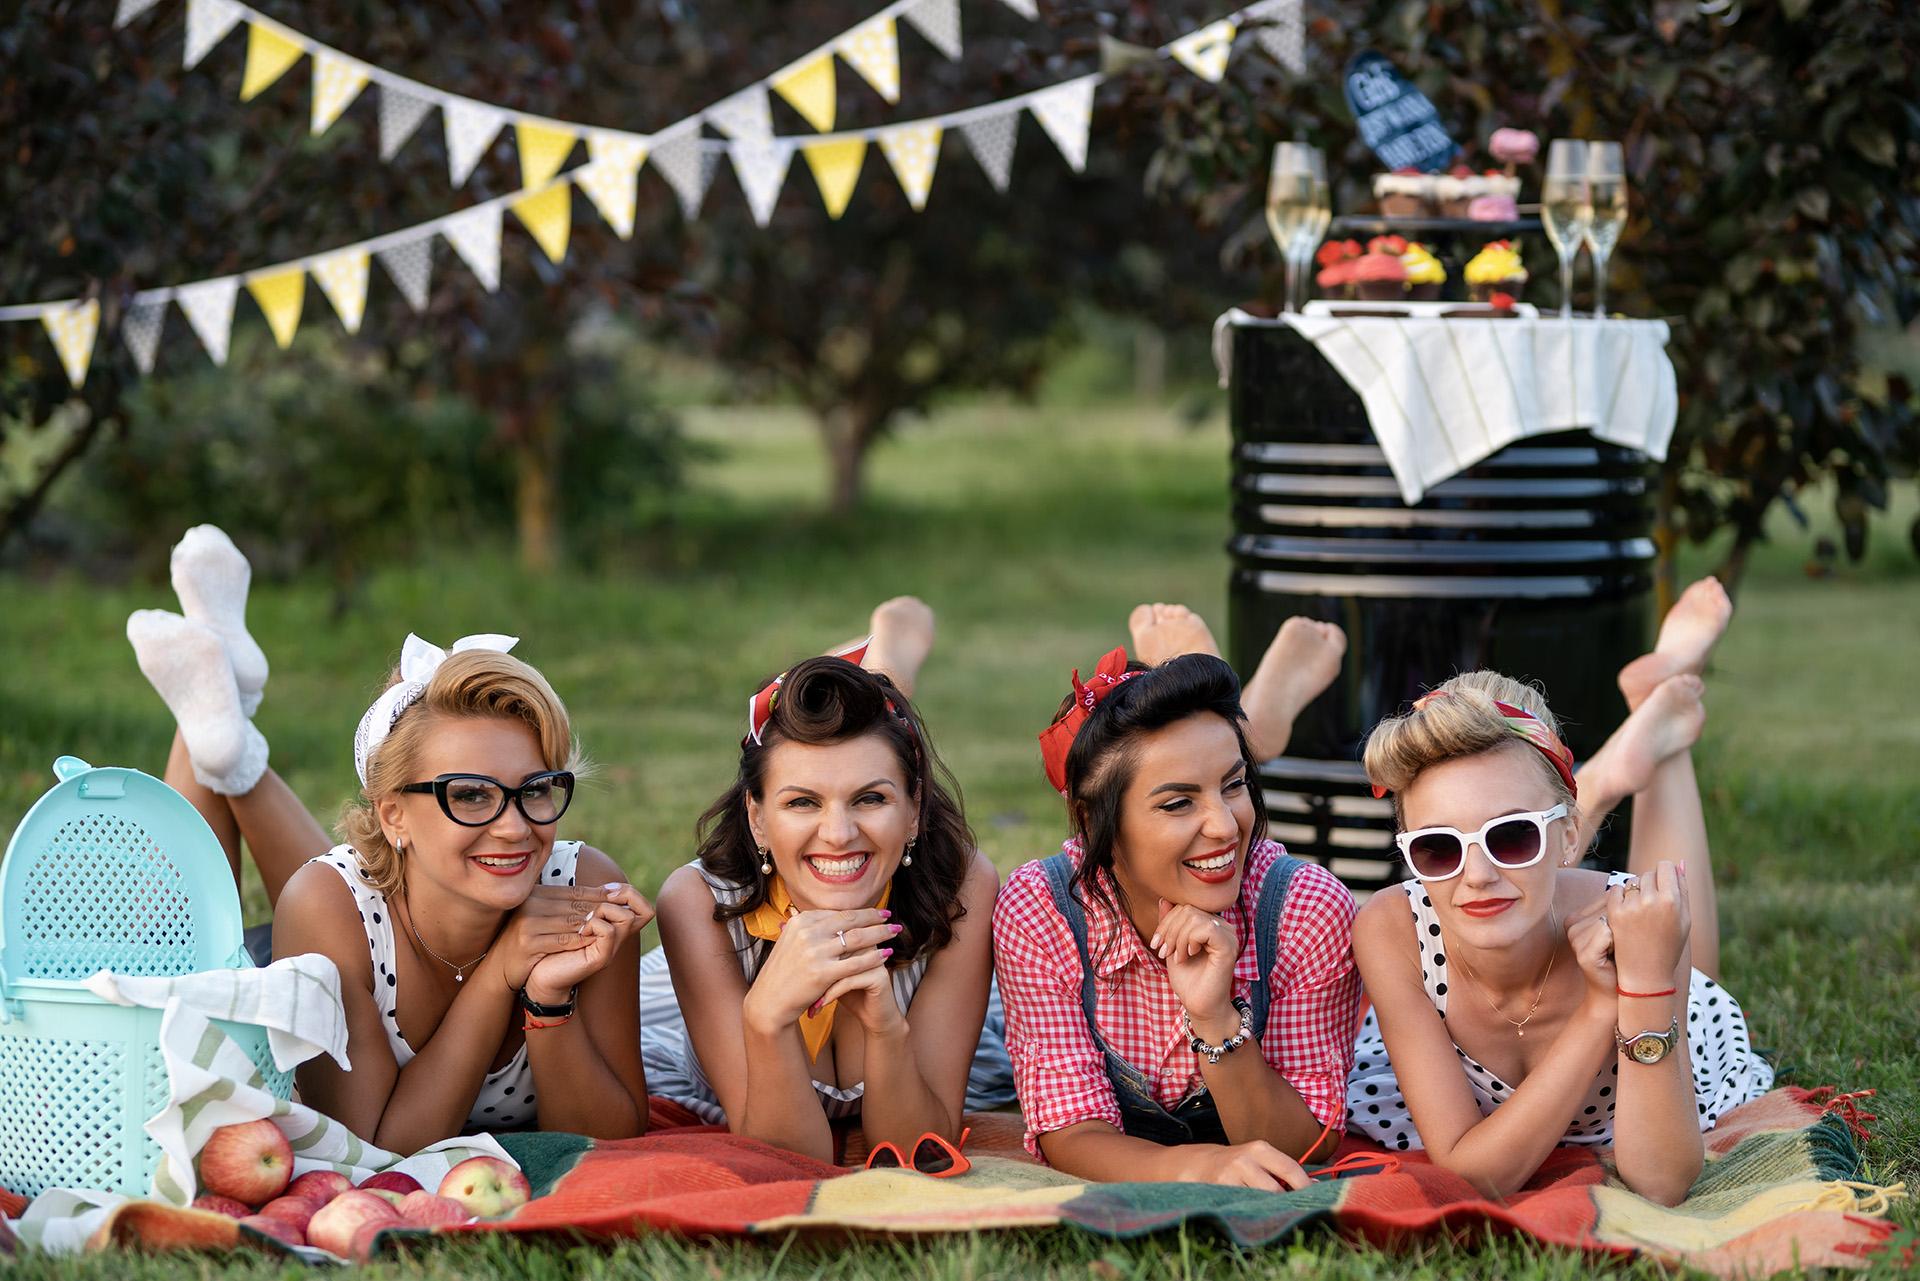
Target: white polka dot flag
x: 336, y: 83
x: 761, y: 165
x: 1025, y: 8
x: 913, y: 151
x: 873, y: 49
x: 127, y: 10
x: 611, y: 176
x: 471, y: 129
x: 991, y: 140
x: 1066, y: 113
x: 208, y: 22
x: 810, y: 89
x: 475, y: 236
x: 1205, y: 52
x: 140, y: 330
x: 73, y: 329
x: 208, y: 307
x: 746, y: 114
x: 400, y: 114
x: 343, y: 279
x: 938, y: 21
x: 410, y: 263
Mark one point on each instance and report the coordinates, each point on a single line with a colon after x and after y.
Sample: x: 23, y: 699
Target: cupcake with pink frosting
x: 1514, y: 147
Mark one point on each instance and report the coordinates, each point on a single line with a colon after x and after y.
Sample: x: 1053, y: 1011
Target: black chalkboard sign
x: 1396, y: 119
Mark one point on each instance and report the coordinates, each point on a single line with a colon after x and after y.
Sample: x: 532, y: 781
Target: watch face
x: 1648, y: 1047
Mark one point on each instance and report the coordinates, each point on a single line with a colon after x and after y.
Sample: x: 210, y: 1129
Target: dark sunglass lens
x: 1434, y: 853
x: 1514, y: 841
x: 546, y: 799
x: 473, y: 800
x: 884, y: 1158
x: 932, y: 1158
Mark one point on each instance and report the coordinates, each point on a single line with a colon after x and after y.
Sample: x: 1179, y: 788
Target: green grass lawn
x: 1032, y: 533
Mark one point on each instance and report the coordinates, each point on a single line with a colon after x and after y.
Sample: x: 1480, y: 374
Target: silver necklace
x: 459, y: 971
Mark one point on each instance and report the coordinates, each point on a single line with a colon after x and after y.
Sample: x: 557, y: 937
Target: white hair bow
x: 419, y: 660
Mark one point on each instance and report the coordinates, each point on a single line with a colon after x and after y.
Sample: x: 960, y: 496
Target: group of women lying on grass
x: 1182, y: 1000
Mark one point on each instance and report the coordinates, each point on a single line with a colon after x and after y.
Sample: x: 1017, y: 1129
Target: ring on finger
x: 842, y: 936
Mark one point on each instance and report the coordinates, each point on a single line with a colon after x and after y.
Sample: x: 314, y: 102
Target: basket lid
x: 112, y: 869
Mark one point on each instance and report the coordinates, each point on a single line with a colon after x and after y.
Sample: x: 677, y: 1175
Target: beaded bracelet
x: 1212, y: 1053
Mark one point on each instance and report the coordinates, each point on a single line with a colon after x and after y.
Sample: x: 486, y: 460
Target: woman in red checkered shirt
x: 1180, y: 995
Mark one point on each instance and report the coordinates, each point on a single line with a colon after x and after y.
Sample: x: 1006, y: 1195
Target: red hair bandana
x: 1527, y: 726
x: 1057, y: 739
x: 760, y: 706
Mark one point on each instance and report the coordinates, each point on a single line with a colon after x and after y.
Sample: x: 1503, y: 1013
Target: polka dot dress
x: 506, y: 1100
x: 1726, y: 1071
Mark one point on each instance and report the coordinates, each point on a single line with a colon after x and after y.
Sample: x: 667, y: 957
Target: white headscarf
x: 419, y: 660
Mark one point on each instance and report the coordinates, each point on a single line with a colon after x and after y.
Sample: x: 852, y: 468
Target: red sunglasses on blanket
x: 932, y: 1155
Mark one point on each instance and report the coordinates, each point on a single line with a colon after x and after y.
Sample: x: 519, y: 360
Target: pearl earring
x: 906, y: 860
x: 766, y: 863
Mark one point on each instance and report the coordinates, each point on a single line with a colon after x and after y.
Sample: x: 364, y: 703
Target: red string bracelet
x: 530, y: 1023
x: 1621, y: 991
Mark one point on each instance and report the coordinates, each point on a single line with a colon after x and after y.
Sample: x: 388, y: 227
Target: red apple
x: 334, y: 1225
x: 250, y: 1162
x: 487, y: 1186
x: 425, y: 1210
x: 361, y: 1248
x: 319, y: 1186
x: 279, y: 1229
x: 391, y: 1180
x: 295, y: 1210
x: 222, y: 1205
x: 388, y: 1195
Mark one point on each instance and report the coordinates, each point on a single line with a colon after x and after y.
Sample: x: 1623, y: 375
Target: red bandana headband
x: 1057, y: 739
x: 1527, y: 726
x: 760, y: 706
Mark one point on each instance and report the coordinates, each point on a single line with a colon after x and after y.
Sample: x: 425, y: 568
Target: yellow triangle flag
x: 280, y: 297
x: 836, y: 167
x: 1205, y: 52
x: 549, y: 216
x: 543, y: 149
x: 913, y: 151
x: 810, y: 90
x: 269, y: 54
x: 874, y: 51
x: 336, y: 83
x: 72, y: 330
x: 343, y: 279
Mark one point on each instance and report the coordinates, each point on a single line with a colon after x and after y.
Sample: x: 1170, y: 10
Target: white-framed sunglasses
x: 1512, y: 841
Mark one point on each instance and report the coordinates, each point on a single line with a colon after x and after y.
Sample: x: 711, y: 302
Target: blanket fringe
x: 1853, y: 1197
x: 1844, y: 1106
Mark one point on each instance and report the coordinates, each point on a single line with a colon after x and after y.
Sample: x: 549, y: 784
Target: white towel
x: 1442, y: 395
x: 297, y: 999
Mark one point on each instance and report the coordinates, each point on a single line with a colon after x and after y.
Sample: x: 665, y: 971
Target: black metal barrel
x: 1537, y: 562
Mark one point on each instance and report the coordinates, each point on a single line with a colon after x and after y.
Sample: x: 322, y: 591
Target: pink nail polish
x: 886, y: 951
x: 896, y: 928
x: 886, y: 913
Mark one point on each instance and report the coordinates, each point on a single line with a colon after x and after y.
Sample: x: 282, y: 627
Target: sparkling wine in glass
x: 1566, y: 209
x: 1297, y: 207
x: 1607, y: 187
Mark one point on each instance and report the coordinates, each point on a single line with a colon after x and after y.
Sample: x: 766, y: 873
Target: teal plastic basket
x: 111, y: 869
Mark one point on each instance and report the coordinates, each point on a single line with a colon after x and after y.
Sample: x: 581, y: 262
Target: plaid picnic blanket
x: 1781, y: 1190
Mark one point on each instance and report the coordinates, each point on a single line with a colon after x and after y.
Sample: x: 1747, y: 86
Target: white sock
x: 188, y: 666
x: 210, y: 577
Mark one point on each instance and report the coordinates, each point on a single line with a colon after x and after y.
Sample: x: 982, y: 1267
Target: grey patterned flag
x: 991, y: 141
x: 208, y: 307
x: 1283, y: 33
x: 744, y: 115
x: 400, y: 114
x: 1025, y: 8
x: 208, y: 21
x: 939, y: 22
x: 140, y: 327
x: 687, y: 166
x: 410, y: 263
x: 762, y: 168
x: 131, y: 9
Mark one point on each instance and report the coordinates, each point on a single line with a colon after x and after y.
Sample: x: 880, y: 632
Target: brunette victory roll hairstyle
x: 830, y: 700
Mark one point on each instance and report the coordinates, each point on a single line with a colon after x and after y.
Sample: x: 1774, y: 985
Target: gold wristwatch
x: 1649, y: 1047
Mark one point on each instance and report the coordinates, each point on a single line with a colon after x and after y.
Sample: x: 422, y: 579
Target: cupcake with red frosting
x: 1380, y: 275
x: 1337, y: 259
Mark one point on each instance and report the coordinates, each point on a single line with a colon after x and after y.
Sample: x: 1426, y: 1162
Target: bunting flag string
x: 544, y: 205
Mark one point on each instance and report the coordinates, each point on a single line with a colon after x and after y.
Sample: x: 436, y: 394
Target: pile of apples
x: 247, y: 1173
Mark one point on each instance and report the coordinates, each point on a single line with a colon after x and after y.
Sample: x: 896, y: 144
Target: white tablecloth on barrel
x: 1443, y: 394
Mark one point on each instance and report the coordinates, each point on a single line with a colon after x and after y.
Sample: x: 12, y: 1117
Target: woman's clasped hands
x: 822, y: 957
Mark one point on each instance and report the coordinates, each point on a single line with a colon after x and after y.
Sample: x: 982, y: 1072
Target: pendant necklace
x: 1519, y: 1026
x: 460, y: 971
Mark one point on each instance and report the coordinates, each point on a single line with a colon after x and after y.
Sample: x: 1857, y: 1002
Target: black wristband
x: 540, y: 1011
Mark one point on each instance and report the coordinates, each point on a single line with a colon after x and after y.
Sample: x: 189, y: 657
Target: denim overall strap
x: 1142, y: 1116
x: 1266, y: 937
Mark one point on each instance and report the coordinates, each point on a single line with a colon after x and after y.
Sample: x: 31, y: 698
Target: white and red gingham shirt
x: 1314, y: 992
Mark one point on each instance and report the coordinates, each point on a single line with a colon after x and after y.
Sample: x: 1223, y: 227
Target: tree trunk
x: 1666, y: 567
x: 534, y: 506
x: 847, y: 430
x: 18, y: 513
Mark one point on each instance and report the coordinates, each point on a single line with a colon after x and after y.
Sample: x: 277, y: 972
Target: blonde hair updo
x: 478, y: 682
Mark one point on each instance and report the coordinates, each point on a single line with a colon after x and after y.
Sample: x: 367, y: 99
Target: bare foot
x: 1161, y: 632
x: 1687, y: 637
x: 902, y: 639
x: 1667, y: 722
x: 1302, y: 661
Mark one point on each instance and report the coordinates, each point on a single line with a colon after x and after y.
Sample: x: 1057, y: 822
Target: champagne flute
x: 1296, y: 199
x: 1607, y: 183
x: 1566, y: 208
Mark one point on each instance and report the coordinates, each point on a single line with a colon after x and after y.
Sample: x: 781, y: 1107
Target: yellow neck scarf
x: 766, y: 922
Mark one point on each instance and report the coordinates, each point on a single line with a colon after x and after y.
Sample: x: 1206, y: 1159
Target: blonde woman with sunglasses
x: 1521, y: 1002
